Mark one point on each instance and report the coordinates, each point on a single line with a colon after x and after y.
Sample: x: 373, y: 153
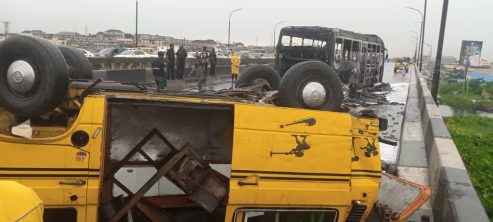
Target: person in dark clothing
x: 212, y: 61
x: 158, y: 70
x: 181, y: 57
x: 170, y: 55
x: 205, y: 59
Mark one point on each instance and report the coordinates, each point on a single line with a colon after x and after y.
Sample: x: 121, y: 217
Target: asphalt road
x: 393, y: 110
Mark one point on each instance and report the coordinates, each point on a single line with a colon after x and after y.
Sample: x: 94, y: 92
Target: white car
x: 133, y: 54
x: 86, y: 53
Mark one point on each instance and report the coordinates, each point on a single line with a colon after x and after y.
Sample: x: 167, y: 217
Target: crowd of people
x: 204, y: 65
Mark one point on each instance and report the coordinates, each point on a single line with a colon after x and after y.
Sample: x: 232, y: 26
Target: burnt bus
x: 352, y: 55
x: 317, y: 67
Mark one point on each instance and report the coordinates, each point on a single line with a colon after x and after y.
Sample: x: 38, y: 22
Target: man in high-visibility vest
x: 235, y: 67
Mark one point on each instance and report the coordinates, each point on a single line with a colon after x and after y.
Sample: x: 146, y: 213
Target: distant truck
x: 401, y: 64
x: 356, y: 59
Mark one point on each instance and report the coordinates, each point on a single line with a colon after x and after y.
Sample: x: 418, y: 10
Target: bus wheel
x: 78, y: 65
x: 259, y: 74
x: 311, y: 85
x: 33, y: 76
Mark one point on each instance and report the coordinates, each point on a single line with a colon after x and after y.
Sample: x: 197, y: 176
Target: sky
x: 194, y: 19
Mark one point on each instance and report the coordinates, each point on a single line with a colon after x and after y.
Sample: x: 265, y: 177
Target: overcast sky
x: 467, y: 19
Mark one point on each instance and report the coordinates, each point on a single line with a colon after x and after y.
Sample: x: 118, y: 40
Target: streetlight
x: 428, y: 64
x: 416, y: 48
x: 275, y: 34
x: 229, y: 24
x: 438, y: 60
x: 136, y: 22
x: 421, y: 36
x: 431, y: 48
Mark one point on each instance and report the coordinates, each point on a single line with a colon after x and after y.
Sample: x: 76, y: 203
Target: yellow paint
x: 19, y: 203
x: 267, y: 170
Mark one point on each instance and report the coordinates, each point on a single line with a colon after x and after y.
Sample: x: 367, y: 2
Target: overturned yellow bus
x: 100, y: 151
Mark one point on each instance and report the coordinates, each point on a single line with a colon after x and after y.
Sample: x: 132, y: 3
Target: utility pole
x: 422, y: 38
x: 229, y: 24
x: 136, y: 22
x: 416, y: 48
x: 466, y: 71
x: 438, y: 60
x: 431, y: 48
x: 6, y: 27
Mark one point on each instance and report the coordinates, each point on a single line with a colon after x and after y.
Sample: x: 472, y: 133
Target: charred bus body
x: 357, y: 58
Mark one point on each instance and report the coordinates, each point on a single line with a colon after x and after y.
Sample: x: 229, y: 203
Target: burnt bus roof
x: 322, y: 33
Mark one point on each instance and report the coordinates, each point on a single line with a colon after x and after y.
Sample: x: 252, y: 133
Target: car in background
x: 86, y: 53
x: 109, y: 52
x: 133, y: 54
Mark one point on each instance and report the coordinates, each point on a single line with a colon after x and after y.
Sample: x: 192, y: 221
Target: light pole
x: 136, y: 22
x: 431, y: 49
x: 275, y: 27
x: 416, y: 48
x: 438, y: 60
x: 229, y: 24
x: 420, y: 37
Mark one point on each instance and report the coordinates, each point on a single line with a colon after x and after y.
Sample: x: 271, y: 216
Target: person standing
x: 212, y: 62
x: 235, y: 68
x: 205, y: 58
x: 198, y: 70
x: 170, y: 55
x: 181, y: 57
x: 158, y: 70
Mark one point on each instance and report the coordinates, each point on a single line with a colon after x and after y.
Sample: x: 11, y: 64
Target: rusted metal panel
x: 398, y: 198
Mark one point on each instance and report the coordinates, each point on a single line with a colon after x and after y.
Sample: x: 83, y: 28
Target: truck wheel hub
x: 20, y: 76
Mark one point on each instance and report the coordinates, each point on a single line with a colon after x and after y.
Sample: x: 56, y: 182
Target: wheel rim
x: 263, y: 82
x: 314, y: 94
x: 21, y: 76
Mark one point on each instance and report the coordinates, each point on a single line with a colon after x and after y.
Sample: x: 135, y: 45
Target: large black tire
x: 37, y: 81
x: 78, y: 65
x: 257, y: 74
x: 300, y: 75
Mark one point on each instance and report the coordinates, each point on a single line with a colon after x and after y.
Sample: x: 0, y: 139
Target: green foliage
x: 456, y: 96
x: 473, y: 136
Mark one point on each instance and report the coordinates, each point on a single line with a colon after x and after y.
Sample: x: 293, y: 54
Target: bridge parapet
x: 115, y: 63
x: 454, y: 198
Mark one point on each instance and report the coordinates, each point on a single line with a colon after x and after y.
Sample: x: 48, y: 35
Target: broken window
x: 286, y: 40
x: 287, y: 215
x: 356, y: 51
x: 307, y: 42
x: 346, y: 52
x: 338, y: 51
x: 296, y: 41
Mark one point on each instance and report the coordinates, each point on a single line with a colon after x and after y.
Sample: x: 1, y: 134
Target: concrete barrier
x: 145, y: 75
x: 454, y: 198
x: 113, y: 63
